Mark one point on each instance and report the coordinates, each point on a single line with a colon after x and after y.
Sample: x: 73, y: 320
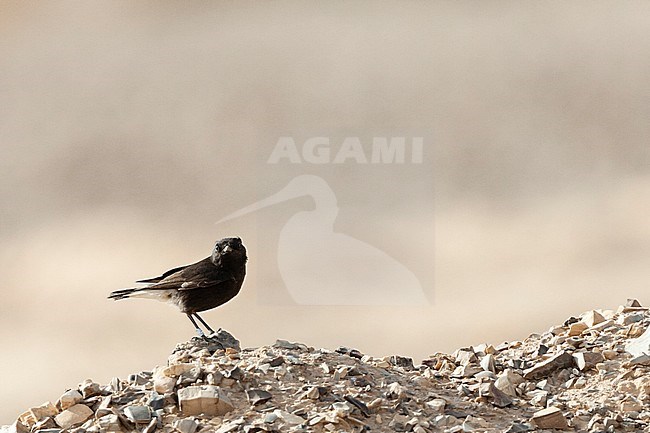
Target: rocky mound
x: 575, y: 376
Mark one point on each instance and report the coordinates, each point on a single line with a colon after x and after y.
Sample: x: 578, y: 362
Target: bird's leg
x: 204, y: 324
x: 198, y: 330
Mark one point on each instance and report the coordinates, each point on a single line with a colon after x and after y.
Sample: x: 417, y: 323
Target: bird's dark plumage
x: 201, y: 286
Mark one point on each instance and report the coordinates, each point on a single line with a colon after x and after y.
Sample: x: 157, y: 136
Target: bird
x: 320, y: 266
x: 201, y: 286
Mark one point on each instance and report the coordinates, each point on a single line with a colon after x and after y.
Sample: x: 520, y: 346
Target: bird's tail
x: 121, y: 294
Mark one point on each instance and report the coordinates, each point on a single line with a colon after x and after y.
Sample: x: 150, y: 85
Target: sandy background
x: 127, y: 129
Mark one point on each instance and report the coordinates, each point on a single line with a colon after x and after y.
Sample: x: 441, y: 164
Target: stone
x: 70, y: 398
x: 176, y: 370
x: 16, y: 427
x: 401, y: 361
x: 208, y: 400
x: 109, y: 423
x: 630, y: 319
x: 577, y: 328
x: 73, y: 416
x: 587, y: 360
x: 488, y: 364
x: 545, y: 368
x: 354, y: 353
x: 499, y: 398
x: 485, y: 375
x: 358, y: 404
x: 221, y: 340
x: 185, y: 425
x: 395, y: 390
x: 631, y: 405
x: 104, y: 407
x: 507, y: 382
x: 341, y: 409
x: 518, y: 427
x: 153, y: 424
x: 538, y: 397
x: 156, y: 401
x: 259, y: 396
x: 43, y: 411
x: 474, y: 424
x: 138, y: 414
x: 640, y: 360
x: 465, y: 356
x: 89, y: 388
x: 284, y: 344
x: 550, y: 418
x: 593, y: 318
x: 634, y: 303
x: 164, y: 385
x: 289, y: 418
x: 639, y: 346
x: 270, y: 418
x: 468, y: 370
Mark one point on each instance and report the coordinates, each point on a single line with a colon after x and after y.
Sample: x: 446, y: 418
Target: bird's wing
x: 163, y: 276
x: 195, y: 276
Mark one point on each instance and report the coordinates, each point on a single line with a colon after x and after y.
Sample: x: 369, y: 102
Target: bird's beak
x: 227, y: 249
x: 285, y: 194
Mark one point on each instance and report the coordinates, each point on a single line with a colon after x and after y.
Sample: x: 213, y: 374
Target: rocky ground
x: 589, y: 374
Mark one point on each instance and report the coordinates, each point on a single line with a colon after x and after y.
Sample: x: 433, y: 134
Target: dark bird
x: 200, y: 286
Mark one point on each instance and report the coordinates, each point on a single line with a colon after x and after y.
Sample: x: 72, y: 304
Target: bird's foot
x: 213, y: 334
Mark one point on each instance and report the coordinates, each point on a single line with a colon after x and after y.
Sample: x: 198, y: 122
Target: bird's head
x: 229, y: 251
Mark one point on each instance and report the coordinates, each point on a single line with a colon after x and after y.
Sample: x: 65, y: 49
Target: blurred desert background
x: 127, y: 129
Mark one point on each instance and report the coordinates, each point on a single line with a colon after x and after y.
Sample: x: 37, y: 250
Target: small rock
x: 138, y: 414
x: 354, y: 353
x: 640, y: 360
x: 284, y: 344
x: 73, y: 416
x: 361, y: 406
x: 593, y: 318
x: 258, y: 396
x: 499, y: 398
x: 375, y: 404
x: 577, y: 328
x: 587, y: 360
x: 270, y: 418
x: 89, y: 388
x: 341, y: 409
x: 488, y: 364
x: 508, y: 381
x: 632, y: 302
x: 401, y: 361
x: 185, y: 425
x: 550, y: 418
x: 289, y: 418
x: 631, y: 405
x: 545, y: 368
x: 110, y: 423
x: 156, y: 401
x: 474, y: 423
x: 69, y: 399
x: 538, y: 397
x: 437, y: 406
x: 518, y: 427
x: 164, y: 385
x: 631, y: 318
x: 465, y: 356
x: 205, y: 399
x: 43, y: 411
